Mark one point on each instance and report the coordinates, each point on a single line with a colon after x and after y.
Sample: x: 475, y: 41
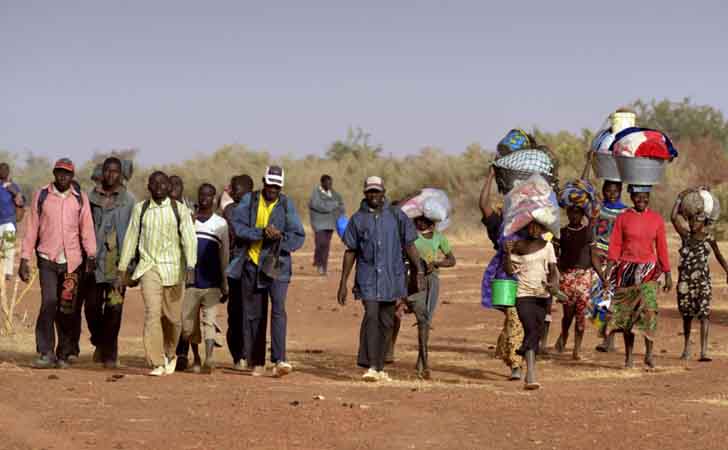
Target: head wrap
x: 581, y: 194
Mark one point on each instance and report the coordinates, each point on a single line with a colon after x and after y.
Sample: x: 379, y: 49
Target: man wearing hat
x: 60, y: 231
x: 376, y: 238
x: 267, y: 223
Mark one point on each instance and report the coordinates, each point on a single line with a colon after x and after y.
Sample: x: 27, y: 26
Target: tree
x: 356, y: 144
x: 683, y: 120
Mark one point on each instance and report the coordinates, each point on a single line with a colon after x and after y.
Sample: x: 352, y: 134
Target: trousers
x: 162, y: 317
x: 59, y: 292
x: 255, y: 298
x: 323, y: 246
x: 376, y: 326
x: 532, y: 314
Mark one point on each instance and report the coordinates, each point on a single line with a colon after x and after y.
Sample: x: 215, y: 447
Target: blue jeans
x: 255, y: 306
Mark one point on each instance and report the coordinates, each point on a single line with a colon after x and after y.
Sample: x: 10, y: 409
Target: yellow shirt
x: 261, y: 221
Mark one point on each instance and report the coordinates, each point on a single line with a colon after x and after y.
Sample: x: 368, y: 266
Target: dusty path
x: 470, y: 404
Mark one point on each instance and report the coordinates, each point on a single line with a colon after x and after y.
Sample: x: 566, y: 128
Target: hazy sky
x: 174, y: 78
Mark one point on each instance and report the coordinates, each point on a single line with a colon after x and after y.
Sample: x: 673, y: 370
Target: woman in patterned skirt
x: 694, y: 290
x: 638, y: 254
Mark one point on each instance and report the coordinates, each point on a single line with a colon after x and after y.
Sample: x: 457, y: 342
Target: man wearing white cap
x: 268, y: 224
x: 376, y: 237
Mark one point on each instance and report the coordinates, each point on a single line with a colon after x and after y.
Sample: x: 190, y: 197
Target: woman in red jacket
x: 638, y: 253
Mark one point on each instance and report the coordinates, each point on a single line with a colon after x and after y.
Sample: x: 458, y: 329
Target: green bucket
x: 504, y: 292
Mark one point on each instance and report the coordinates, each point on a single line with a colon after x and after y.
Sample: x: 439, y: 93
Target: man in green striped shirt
x: 162, y: 234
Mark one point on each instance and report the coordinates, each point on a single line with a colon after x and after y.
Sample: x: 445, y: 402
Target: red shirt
x: 637, y: 236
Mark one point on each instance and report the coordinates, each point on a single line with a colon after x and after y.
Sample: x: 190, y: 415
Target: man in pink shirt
x: 60, y: 231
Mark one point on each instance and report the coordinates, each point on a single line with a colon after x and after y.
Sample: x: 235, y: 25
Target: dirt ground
x: 324, y: 405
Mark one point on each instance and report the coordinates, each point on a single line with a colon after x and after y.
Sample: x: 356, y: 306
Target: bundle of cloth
x: 701, y: 203
x: 581, y: 194
x: 519, y: 156
x: 603, y: 142
x: 531, y: 200
x: 515, y: 140
x: 636, y: 142
x: 432, y: 203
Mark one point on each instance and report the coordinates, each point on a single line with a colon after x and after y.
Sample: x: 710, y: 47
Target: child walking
x: 435, y: 253
x: 533, y: 261
x: 694, y: 290
x: 576, y: 262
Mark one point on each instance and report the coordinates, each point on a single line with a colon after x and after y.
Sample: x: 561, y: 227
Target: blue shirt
x: 7, y: 204
x: 379, y: 238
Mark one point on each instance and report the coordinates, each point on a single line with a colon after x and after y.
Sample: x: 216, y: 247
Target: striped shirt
x: 159, y: 242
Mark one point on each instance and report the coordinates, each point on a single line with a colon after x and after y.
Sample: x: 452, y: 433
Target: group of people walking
x: 616, y: 259
x: 186, y: 257
x: 235, y: 247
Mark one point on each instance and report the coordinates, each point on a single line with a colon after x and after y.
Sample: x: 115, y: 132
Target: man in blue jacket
x: 377, y: 237
x: 267, y: 222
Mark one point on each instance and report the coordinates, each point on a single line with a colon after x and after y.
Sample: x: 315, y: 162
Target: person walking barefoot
x: 576, y: 277
x: 694, y: 288
x: 534, y: 261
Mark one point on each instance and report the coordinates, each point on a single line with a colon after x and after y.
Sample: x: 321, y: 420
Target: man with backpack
x: 268, y: 224
x: 111, y: 208
x: 376, y: 238
x: 162, y: 243
x: 60, y: 232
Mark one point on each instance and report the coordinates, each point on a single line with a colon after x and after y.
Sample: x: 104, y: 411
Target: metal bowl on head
x: 646, y: 171
x: 605, y: 166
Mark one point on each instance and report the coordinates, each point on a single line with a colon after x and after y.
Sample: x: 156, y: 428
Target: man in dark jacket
x: 239, y: 186
x: 111, y: 207
x: 269, y: 225
x: 325, y: 207
x: 376, y: 238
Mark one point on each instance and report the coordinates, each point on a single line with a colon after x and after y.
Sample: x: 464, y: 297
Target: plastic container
x: 621, y: 120
x: 605, y: 166
x: 646, y: 171
x: 504, y: 292
x: 341, y: 224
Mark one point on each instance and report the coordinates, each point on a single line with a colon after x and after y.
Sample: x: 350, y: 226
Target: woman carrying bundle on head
x: 578, y: 263
x: 531, y: 210
x: 694, y: 289
x: 511, y: 334
x: 638, y: 256
x: 533, y: 260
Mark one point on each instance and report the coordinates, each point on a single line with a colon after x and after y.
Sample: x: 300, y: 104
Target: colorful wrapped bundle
x: 431, y: 203
x: 515, y: 140
x: 580, y: 193
x: 642, y: 154
x: 702, y: 203
x: 520, y: 165
x: 638, y: 142
x: 531, y: 200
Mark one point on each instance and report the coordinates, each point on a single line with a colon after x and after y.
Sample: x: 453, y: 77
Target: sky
x: 179, y: 78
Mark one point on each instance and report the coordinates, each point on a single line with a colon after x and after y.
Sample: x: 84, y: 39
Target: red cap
x: 65, y: 164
